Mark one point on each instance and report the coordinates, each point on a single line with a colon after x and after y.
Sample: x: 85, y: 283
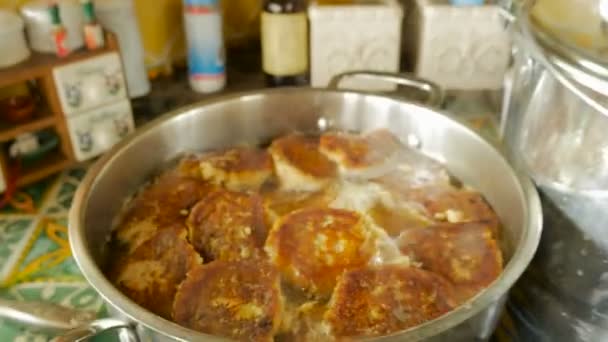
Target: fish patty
x: 280, y: 203
x: 299, y: 165
x: 151, y: 274
x: 466, y: 254
x: 385, y: 299
x: 163, y: 204
x: 237, y: 169
x: 415, y: 170
x: 446, y: 204
x: 312, y: 247
x: 237, y: 299
x: 228, y: 225
x: 358, y: 154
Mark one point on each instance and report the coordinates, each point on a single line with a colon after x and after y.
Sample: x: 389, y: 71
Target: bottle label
x: 284, y: 43
x: 93, y: 36
x: 60, y: 36
x: 205, y: 44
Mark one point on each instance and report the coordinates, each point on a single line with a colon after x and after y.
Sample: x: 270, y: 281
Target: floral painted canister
x: 354, y: 35
x: 457, y: 47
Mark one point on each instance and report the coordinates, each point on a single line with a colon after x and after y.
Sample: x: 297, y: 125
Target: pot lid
x: 570, y: 38
x: 575, y: 30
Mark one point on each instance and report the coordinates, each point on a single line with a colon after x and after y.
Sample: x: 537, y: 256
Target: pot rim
x: 522, y: 256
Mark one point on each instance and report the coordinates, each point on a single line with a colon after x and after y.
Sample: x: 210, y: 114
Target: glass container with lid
x: 554, y: 124
x: 556, y: 113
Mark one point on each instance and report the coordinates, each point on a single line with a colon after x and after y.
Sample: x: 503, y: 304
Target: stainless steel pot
x: 256, y: 117
x: 555, y: 126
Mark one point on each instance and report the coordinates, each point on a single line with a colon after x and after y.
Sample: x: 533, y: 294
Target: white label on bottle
x: 284, y: 43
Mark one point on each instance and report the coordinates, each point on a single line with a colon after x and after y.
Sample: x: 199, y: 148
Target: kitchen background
x: 75, y: 80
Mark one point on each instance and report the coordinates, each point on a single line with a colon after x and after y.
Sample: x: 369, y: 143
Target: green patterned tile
x: 60, y: 199
x: 50, y: 255
x: 15, y: 236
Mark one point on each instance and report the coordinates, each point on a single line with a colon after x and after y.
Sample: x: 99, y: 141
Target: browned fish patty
x: 299, y: 165
x: 312, y: 247
x: 189, y: 166
x: 239, y: 300
x: 357, y: 151
x: 164, y: 203
x: 151, y: 274
x: 303, y: 322
x: 228, y: 226
x: 464, y: 253
x: 444, y: 204
x: 385, y: 299
x: 237, y: 169
x: 281, y: 203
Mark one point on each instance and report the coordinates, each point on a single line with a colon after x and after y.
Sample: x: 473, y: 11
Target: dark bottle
x: 284, y: 36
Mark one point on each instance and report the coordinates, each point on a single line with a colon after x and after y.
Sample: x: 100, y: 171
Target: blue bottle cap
x: 466, y: 2
x: 201, y: 2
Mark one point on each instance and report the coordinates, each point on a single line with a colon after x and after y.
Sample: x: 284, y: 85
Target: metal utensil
x: 90, y: 329
x: 47, y: 317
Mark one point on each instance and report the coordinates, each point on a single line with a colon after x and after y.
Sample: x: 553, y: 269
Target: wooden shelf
x: 38, y: 65
x: 41, y: 121
x: 39, y: 68
x: 50, y: 164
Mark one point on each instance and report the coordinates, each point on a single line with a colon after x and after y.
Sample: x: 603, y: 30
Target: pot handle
x: 74, y: 324
x: 435, y: 94
x: 93, y: 328
x: 43, y: 316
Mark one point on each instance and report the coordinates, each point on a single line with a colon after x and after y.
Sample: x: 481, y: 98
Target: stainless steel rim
x: 522, y: 256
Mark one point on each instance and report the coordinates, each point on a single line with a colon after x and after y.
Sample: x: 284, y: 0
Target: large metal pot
x: 256, y: 117
x: 555, y: 126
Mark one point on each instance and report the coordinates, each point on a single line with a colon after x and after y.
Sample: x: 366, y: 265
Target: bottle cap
x: 89, y: 11
x: 201, y: 2
x: 55, y: 16
x: 467, y: 2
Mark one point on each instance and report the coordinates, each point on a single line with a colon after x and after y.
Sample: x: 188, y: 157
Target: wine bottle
x: 284, y: 36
